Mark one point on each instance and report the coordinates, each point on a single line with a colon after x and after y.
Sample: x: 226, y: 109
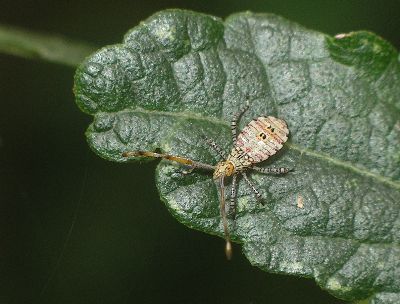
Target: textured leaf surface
x: 181, y: 75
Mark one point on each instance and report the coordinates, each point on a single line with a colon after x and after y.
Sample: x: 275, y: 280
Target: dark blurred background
x: 77, y: 229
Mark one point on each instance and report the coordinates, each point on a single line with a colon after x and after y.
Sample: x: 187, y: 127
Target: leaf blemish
x: 300, y: 202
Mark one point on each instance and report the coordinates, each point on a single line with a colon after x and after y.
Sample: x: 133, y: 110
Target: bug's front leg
x: 280, y: 170
x: 192, y: 164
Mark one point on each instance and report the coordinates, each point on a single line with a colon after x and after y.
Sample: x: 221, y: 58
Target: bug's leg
x: 235, y: 120
x: 216, y: 148
x: 182, y: 160
x: 250, y: 183
x: 281, y: 170
x: 232, y: 206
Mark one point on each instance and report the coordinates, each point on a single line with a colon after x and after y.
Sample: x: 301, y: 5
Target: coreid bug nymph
x: 258, y: 140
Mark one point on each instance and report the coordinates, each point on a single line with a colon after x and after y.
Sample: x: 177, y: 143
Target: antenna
x: 228, y: 245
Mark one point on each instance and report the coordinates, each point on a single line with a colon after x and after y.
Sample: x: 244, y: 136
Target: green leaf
x: 180, y: 76
x: 47, y: 47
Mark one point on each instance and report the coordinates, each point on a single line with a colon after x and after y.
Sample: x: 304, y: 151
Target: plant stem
x: 53, y: 48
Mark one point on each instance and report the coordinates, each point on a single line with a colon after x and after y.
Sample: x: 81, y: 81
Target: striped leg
x: 281, y: 170
x: 178, y: 159
x: 250, y: 183
x: 235, y: 120
x: 232, y: 206
x: 216, y: 148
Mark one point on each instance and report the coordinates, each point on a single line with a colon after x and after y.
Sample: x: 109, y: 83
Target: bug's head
x: 224, y: 168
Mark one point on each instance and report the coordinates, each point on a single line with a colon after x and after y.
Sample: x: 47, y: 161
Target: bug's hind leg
x: 281, y: 170
x: 235, y: 120
x: 232, y: 205
x: 215, y: 147
x: 256, y: 192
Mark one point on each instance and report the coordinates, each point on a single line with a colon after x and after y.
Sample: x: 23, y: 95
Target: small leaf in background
x: 181, y: 75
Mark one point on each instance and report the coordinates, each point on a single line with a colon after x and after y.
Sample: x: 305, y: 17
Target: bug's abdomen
x: 262, y: 138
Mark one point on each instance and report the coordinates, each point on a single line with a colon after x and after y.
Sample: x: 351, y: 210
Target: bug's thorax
x: 224, y: 168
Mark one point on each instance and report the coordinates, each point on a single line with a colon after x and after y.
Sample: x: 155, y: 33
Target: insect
x: 258, y: 140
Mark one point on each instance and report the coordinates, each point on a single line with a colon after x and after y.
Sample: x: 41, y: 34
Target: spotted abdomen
x: 262, y: 138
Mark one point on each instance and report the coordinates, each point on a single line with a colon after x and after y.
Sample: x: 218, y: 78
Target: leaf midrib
x: 302, y: 150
